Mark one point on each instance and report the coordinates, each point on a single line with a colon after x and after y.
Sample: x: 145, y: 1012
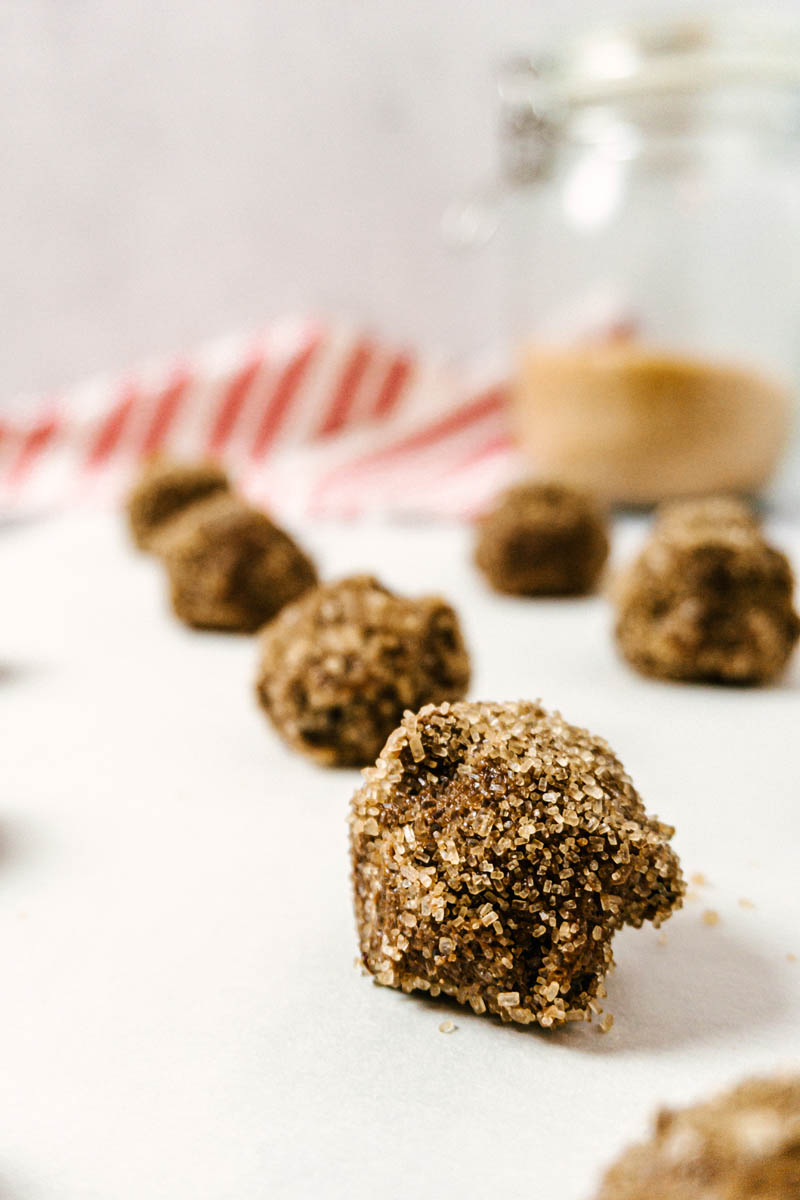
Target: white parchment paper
x: 180, y: 1016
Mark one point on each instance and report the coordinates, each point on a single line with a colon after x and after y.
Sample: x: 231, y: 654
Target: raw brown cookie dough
x: 339, y: 668
x: 542, y: 539
x: 708, y: 599
x: 230, y: 567
x: 707, y: 512
x: 744, y: 1145
x: 496, y: 851
x: 164, y: 490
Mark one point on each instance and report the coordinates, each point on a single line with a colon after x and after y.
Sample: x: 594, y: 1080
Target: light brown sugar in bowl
x: 636, y: 426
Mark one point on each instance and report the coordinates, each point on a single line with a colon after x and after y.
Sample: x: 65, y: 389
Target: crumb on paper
x: 745, y: 903
x: 699, y: 879
x: 692, y: 895
x: 448, y: 1026
x: 606, y: 1023
x: 662, y: 939
x: 710, y: 917
x: 791, y: 957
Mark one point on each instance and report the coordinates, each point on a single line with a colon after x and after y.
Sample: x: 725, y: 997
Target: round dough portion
x: 339, y: 668
x: 707, y: 512
x: 543, y: 539
x: 496, y: 850
x: 230, y: 567
x: 742, y: 1145
x: 164, y: 490
x: 708, y: 599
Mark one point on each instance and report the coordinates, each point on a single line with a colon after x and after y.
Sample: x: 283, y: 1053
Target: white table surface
x: 180, y: 1015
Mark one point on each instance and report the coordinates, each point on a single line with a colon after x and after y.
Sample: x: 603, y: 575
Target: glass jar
x: 650, y: 222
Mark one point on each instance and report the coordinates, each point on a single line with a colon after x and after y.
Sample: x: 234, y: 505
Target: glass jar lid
x: 752, y: 51
x: 684, y: 56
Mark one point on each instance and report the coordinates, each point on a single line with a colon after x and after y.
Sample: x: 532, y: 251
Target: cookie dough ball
x: 708, y: 599
x: 496, y: 851
x: 339, y: 668
x: 707, y: 512
x: 744, y: 1145
x: 542, y: 539
x: 230, y: 567
x: 164, y: 490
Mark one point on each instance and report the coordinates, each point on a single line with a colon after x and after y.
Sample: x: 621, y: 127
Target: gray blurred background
x: 172, y: 171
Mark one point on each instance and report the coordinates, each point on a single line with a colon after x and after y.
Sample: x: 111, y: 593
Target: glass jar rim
x: 658, y: 59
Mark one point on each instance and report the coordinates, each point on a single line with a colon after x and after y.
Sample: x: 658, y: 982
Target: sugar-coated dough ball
x: 708, y: 599
x: 496, y: 850
x: 706, y: 512
x: 339, y: 667
x: 543, y: 539
x: 166, y: 489
x: 742, y: 1145
x: 230, y: 567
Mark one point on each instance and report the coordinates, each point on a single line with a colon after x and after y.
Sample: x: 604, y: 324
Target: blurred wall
x: 171, y: 171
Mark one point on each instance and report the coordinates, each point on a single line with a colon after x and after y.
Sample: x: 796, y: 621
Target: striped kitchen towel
x: 309, y: 418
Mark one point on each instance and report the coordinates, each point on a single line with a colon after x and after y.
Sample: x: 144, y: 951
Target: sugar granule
x: 530, y: 849
x: 710, y: 917
x: 447, y: 1027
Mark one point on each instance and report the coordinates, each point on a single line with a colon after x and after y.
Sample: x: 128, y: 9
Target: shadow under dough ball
x: 230, y: 567
x: 496, y: 850
x: 166, y: 489
x: 743, y: 1145
x: 708, y: 599
x: 339, y: 668
x: 542, y: 539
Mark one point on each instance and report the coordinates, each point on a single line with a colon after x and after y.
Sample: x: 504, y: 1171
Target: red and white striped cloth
x: 310, y: 419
